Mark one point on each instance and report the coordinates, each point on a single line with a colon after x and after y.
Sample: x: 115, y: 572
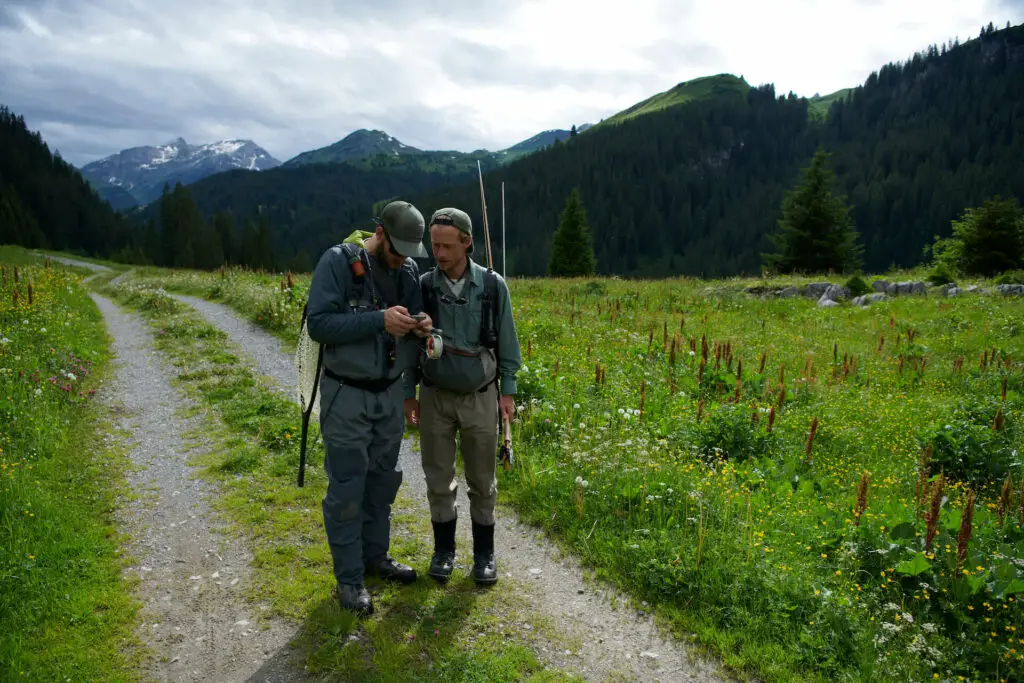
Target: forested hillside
x: 695, y: 188
x: 45, y: 202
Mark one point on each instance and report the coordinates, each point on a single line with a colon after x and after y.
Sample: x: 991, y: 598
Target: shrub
x: 969, y: 449
x: 942, y: 274
x: 857, y: 286
x: 1011, y: 277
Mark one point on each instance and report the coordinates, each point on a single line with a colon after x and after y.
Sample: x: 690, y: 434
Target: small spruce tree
x: 816, y: 232
x: 572, y: 250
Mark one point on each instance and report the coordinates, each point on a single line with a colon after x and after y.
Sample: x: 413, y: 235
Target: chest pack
x: 488, y: 311
x: 371, y: 285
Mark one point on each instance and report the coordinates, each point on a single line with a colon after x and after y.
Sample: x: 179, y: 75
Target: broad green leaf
x: 902, y: 531
x: 914, y: 566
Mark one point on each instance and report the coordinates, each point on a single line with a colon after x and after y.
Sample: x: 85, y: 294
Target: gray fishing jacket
x: 345, y: 313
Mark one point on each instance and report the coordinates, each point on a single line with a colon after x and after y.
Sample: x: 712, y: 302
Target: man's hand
x: 397, y: 321
x: 508, y: 407
x: 424, y: 326
x: 412, y: 411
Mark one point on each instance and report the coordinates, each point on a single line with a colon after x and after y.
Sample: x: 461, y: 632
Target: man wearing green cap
x: 362, y: 298
x: 459, y: 392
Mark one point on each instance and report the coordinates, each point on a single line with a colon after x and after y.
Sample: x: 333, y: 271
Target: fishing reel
x: 434, y: 344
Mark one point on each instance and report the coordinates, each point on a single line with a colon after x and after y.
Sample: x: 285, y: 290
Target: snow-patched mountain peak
x: 143, y: 171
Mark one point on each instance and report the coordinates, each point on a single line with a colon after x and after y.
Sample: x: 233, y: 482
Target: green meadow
x: 814, y: 493
x: 65, y: 612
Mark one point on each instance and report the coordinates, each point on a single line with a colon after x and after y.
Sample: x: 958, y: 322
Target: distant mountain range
x: 137, y: 175
x: 377, y: 149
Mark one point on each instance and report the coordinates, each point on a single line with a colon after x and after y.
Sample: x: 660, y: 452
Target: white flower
x: 579, y: 480
x: 5, y: 340
x: 583, y: 425
x: 621, y: 411
x: 576, y: 406
x: 39, y: 392
x: 693, y: 353
x: 42, y: 329
x: 929, y: 628
x: 71, y: 376
x: 909, y: 619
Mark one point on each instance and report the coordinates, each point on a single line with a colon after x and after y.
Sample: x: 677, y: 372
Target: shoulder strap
x: 430, y: 295
x: 489, y: 311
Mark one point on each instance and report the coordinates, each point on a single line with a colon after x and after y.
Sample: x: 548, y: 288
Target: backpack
x: 488, y: 314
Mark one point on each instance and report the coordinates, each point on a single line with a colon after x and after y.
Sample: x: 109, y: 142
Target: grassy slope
x: 775, y: 574
x: 64, y: 609
x: 707, y: 87
x: 818, y: 106
x: 423, y: 632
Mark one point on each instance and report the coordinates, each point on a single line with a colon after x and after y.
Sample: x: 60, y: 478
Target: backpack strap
x: 489, y: 312
x: 430, y: 295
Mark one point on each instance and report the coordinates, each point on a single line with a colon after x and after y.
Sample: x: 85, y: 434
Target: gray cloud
x: 95, y: 77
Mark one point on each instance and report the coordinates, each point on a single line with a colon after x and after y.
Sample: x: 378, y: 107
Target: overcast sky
x: 97, y: 76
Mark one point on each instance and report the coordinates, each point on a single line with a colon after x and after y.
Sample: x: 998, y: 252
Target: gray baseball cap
x: 457, y: 218
x: 403, y: 225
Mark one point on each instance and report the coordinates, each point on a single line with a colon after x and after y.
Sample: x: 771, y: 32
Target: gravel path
x: 612, y: 640
x: 194, y: 618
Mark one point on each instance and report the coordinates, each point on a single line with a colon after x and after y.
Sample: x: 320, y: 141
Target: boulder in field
x: 880, y: 285
x: 1010, y: 290
x: 814, y: 290
x: 789, y: 292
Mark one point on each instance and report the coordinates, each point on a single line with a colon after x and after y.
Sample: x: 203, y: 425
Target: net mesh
x: 307, y: 352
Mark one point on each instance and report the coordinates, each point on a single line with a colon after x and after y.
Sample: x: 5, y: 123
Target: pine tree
x: 816, y: 233
x: 224, y: 226
x: 987, y: 240
x: 572, y: 131
x: 572, y: 251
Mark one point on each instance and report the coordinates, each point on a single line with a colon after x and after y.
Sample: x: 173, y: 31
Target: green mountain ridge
x: 695, y: 90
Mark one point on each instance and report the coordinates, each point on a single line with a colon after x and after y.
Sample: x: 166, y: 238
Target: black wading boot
x: 485, y: 570
x: 355, y: 597
x: 389, y: 570
x: 443, y: 561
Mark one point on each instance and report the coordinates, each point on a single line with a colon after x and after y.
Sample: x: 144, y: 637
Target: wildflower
x: 576, y: 406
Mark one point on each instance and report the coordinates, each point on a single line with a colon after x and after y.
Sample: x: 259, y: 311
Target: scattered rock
x: 1010, y: 290
x: 649, y: 655
x: 535, y: 571
x: 880, y: 285
x: 971, y: 289
x: 814, y: 290
x: 953, y: 291
x: 789, y: 292
x: 826, y: 303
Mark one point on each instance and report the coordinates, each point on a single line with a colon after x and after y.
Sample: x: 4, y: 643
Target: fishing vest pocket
x: 462, y: 372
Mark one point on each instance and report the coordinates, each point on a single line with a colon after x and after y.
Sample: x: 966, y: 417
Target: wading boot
x: 355, y: 597
x: 485, y: 570
x: 443, y: 561
x: 389, y: 570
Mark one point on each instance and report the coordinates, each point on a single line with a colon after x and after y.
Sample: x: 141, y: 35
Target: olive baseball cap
x: 458, y: 218
x: 403, y: 224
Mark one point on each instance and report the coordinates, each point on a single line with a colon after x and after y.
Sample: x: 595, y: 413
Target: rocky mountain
x: 360, y: 144
x: 137, y: 175
x: 377, y: 149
